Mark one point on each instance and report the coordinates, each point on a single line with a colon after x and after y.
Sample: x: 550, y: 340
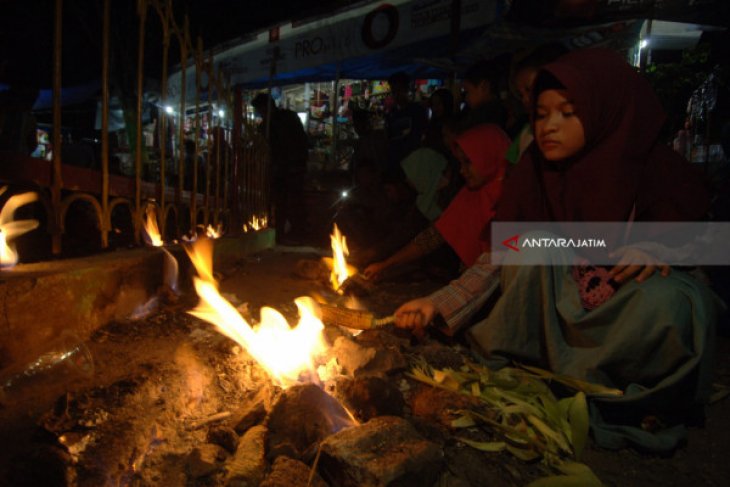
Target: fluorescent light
x: 169, y: 110
x: 643, y: 43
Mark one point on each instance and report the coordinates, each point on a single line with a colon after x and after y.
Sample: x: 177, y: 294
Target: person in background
x: 480, y: 151
x: 524, y: 70
x: 481, y: 93
x: 371, y: 146
x: 640, y: 326
x: 288, y: 150
x: 405, y: 124
x: 442, y: 109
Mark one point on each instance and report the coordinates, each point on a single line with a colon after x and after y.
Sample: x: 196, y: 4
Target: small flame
x: 154, y: 238
x: 339, y: 267
x: 214, y: 233
x: 285, y: 352
x: 152, y: 231
x: 256, y: 224
x: 9, y: 229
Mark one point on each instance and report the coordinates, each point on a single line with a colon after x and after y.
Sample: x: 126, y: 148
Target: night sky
x: 26, y: 33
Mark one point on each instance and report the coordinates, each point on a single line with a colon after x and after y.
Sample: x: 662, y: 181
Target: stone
x: 287, y: 472
x: 204, y: 460
x: 303, y: 416
x: 369, y: 397
x: 359, y: 360
x: 253, y: 411
x: 384, y: 451
x: 439, y: 405
x: 248, y: 465
x: 223, y: 436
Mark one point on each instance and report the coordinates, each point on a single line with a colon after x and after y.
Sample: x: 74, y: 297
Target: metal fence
x: 235, y: 186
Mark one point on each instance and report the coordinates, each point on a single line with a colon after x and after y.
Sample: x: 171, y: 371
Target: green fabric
x: 651, y: 340
x: 513, y: 151
x: 423, y: 167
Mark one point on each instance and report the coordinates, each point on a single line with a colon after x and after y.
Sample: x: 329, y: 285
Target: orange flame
x: 152, y: 231
x: 214, y: 232
x: 9, y: 229
x: 256, y: 224
x: 285, y: 352
x: 341, y: 270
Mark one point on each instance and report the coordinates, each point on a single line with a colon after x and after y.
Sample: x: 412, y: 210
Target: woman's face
x: 558, y: 130
x: 472, y: 179
x: 524, y: 79
x: 477, y: 94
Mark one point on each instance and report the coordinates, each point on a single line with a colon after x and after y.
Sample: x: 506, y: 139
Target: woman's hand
x: 633, y: 261
x: 373, y: 271
x: 415, y: 315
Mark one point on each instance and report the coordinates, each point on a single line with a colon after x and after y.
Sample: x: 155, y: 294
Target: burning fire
x: 152, y: 231
x: 9, y: 229
x: 214, y: 232
x: 340, y: 269
x: 255, y: 224
x: 285, y: 352
x: 154, y: 238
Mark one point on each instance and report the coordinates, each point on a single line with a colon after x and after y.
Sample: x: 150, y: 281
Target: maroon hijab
x: 622, y: 165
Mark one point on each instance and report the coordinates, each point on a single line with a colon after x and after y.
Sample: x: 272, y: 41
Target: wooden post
x: 57, y: 179
x: 142, y: 13
x: 183, y: 87
x: 218, y: 147
x: 106, y: 215
x: 164, y: 14
x: 194, y: 190
x: 237, y: 222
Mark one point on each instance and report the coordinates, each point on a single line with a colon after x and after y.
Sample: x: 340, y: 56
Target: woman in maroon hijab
x: 596, y: 158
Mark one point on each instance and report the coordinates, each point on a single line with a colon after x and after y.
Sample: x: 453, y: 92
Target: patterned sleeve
x: 458, y: 301
x: 429, y: 240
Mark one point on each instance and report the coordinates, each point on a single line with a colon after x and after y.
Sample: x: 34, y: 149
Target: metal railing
x: 236, y: 182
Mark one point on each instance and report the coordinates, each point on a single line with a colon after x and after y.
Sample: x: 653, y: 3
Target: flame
x: 154, y: 238
x: 9, y: 229
x: 338, y: 265
x: 152, y: 231
x: 285, y: 352
x: 214, y: 233
x: 256, y: 224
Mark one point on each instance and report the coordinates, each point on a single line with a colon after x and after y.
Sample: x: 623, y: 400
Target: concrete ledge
x: 38, y: 301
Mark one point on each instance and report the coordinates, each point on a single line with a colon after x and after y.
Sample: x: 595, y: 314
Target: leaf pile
x: 518, y: 405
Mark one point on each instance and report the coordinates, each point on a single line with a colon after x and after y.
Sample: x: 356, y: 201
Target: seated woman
x: 396, y: 210
x: 596, y: 158
x: 480, y: 151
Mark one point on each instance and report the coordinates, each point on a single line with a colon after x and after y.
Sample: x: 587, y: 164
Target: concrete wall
x: 39, y: 301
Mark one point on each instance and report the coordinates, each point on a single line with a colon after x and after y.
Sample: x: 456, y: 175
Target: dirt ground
x: 135, y: 355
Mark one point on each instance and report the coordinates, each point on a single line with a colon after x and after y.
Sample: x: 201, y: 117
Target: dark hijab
x: 622, y: 167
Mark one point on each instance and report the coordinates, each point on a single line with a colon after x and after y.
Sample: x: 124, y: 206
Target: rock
x: 312, y: 269
x: 287, y: 472
x: 204, y: 460
x: 384, y: 451
x: 223, y: 436
x: 253, y: 411
x: 368, y: 397
x: 303, y: 416
x: 440, y: 356
x: 247, y: 466
x: 439, y: 405
x: 359, y: 360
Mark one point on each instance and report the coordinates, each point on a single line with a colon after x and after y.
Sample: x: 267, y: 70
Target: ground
x: 135, y: 357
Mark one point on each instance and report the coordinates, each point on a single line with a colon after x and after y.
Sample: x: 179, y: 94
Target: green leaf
x: 549, y: 433
x: 577, y: 384
x: 524, y: 454
x: 488, y: 446
x: 579, y: 423
x: 464, y: 421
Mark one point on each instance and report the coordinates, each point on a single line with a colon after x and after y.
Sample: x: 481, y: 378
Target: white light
x: 221, y: 113
x: 168, y: 110
x: 643, y: 43
x: 344, y: 194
